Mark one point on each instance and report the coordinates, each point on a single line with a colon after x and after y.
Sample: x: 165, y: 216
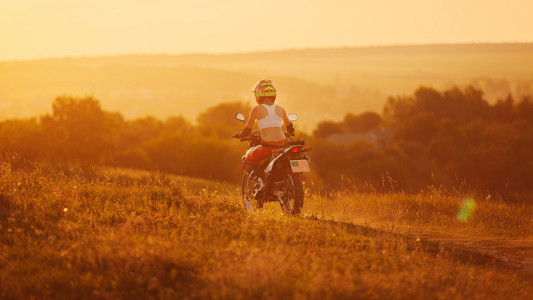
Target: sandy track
x: 501, y: 252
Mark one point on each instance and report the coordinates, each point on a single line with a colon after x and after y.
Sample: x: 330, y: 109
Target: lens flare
x: 467, y: 210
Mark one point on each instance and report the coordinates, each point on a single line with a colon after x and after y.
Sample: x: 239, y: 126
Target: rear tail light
x: 296, y: 149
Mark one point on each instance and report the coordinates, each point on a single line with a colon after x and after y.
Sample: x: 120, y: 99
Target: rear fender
x: 273, y: 161
x: 250, y: 151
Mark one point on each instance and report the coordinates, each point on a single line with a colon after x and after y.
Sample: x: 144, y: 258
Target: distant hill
x: 316, y: 83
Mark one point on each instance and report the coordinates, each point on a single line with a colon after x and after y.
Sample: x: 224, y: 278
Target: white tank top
x: 272, y: 119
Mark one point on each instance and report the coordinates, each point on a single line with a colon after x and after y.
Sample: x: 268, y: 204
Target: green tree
x: 219, y: 120
x: 327, y: 128
x: 78, y: 130
x: 24, y: 137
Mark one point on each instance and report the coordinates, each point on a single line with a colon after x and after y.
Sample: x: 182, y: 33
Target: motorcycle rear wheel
x: 293, y: 194
x: 250, y: 203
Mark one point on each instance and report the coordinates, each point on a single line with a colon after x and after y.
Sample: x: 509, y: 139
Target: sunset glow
x: 282, y: 149
x: 56, y: 28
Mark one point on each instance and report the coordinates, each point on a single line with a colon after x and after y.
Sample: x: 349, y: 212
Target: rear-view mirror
x: 293, y: 117
x: 240, y: 117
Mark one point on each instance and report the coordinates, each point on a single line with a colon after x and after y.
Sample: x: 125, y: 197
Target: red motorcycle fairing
x: 257, y: 155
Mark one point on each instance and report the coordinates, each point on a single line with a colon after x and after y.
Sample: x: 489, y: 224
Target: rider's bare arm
x: 253, y: 116
x: 283, y: 114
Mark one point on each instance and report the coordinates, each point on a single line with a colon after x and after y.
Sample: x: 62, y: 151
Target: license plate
x: 300, y: 166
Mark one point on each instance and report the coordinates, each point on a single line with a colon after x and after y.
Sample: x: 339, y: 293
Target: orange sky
x: 55, y: 28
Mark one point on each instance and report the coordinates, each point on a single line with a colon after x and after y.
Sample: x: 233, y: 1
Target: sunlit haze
x: 55, y: 28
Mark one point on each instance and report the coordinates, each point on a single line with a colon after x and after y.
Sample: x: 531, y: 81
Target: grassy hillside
x: 309, y: 80
x: 109, y: 235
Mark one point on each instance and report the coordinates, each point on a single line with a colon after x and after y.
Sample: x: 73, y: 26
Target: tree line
x: 79, y: 132
x: 452, y: 137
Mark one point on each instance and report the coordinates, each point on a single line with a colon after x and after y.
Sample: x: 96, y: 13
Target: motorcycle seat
x: 293, y: 143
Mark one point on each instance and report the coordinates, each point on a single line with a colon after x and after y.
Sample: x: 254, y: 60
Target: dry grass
x: 432, y: 208
x: 116, y: 236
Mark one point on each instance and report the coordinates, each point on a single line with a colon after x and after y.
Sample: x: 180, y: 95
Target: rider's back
x: 269, y: 119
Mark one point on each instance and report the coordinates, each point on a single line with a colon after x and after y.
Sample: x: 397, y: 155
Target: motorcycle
x: 278, y: 178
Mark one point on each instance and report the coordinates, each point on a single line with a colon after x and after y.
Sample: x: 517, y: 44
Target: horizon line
x: 278, y: 50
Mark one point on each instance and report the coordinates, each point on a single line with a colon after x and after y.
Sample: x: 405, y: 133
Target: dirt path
x: 510, y: 252
x: 502, y: 252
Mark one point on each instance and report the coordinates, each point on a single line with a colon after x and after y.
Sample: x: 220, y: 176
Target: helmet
x: 264, y: 88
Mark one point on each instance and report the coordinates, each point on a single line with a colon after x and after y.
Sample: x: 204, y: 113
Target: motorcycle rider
x: 270, y: 118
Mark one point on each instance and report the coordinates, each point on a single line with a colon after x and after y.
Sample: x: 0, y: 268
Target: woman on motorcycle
x: 270, y: 118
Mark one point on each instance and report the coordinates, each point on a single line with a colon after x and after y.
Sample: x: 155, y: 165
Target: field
x: 114, y: 234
